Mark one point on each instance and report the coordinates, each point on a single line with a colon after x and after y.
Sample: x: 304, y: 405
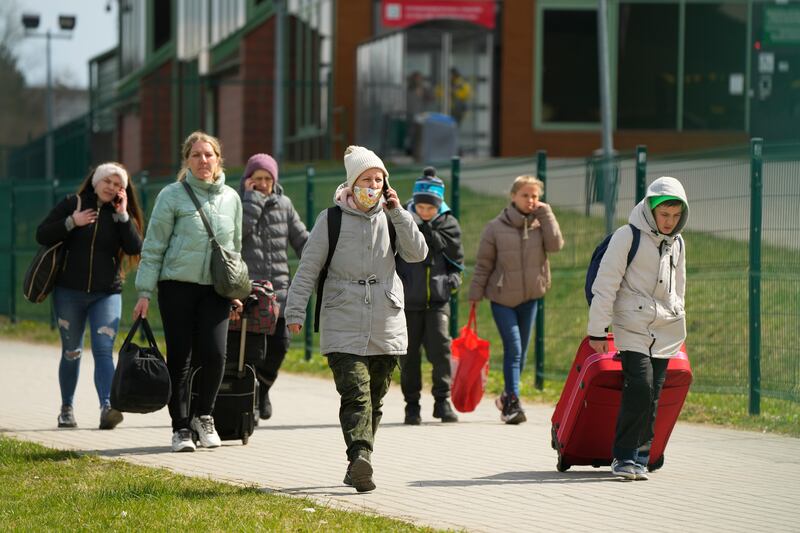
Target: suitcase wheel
x: 562, y: 465
x: 658, y: 464
x: 245, y: 438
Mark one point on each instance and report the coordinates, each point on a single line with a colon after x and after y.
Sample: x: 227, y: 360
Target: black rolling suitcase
x: 236, y: 408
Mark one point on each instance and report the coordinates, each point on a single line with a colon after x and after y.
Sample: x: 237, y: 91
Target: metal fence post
x: 541, y: 173
x: 455, y: 207
x: 756, y: 165
x: 641, y: 172
x: 309, y: 325
x: 12, y: 254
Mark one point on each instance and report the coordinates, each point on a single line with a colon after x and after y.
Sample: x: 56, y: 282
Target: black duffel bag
x: 141, y: 381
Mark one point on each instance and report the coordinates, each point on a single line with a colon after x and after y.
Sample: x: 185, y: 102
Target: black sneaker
x: 66, y: 418
x: 264, y: 405
x: 443, y: 410
x: 359, y: 475
x: 413, y: 416
x: 109, y: 417
x: 512, y: 411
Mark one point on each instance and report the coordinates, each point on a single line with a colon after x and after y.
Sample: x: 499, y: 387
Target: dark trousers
x: 362, y: 382
x: 195, y: 320
x: 644, y: 378
x: 277, y: 346
x: 429, y: 329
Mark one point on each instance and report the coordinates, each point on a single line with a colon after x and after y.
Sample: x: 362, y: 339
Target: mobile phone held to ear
x: 385, y: 190
x: 117, y: 200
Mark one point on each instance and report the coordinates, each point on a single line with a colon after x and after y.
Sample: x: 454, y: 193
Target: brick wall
x: 257, y: 60
x: 353, y: 20
x: 159, y: 151
x: 130, y: 135
x: 230, y: 118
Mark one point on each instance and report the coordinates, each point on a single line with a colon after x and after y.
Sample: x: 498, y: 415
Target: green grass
x: 42, y: 489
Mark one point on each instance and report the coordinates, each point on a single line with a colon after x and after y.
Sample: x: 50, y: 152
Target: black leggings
x: 195, y: 322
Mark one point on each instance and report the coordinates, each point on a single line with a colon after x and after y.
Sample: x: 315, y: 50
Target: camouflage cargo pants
x: 362, y: 382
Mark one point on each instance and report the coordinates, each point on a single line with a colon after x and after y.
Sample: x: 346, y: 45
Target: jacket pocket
x: 336, y: 299
x: 394, y: 300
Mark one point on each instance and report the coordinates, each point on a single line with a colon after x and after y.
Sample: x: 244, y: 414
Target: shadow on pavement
x: 516, y: 478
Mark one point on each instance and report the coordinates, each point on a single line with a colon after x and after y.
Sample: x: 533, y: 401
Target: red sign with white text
x: 404, y: 13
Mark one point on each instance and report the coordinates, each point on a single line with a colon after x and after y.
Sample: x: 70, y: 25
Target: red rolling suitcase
x: 584, y: 420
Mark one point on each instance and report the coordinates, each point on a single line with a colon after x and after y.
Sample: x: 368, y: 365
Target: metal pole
x: 278, y: 89
x: 641, y: 172
x: 541, y: 173
x: 605, y: 110
x: 455, y: 207
x: 309, y: 325
x: 756, y: 164
x: 13, y: 253
x: 49, y: 155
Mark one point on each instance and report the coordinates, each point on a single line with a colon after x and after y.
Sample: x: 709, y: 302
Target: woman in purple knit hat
x: 270, y: 224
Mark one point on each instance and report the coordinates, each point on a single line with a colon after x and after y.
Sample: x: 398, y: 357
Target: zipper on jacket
x: 91, y: 252
x: 427, y: 286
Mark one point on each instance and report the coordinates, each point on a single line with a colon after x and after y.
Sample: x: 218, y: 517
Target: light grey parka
x: 644, y: 303
x: 362, y: 304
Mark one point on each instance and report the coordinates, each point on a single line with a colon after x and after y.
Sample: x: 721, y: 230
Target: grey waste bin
x: 438, y: 138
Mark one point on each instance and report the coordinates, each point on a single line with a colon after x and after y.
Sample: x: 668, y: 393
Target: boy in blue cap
x: 428, y: 286
x: 644, y: 303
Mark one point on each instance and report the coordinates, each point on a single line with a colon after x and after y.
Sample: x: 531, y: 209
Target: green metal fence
x: 723, y: 311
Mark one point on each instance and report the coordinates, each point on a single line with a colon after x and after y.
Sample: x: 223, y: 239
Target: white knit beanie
x: 109, y: 169
x: 357, y: 159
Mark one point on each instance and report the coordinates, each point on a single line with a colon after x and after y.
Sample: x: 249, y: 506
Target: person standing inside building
x: 513, y: 272
x: 428, y: 286
x: 101, y: 228
x: 270, y: 224
x: 363, y: 328
x: 176, y: 257
x: 460, y: 94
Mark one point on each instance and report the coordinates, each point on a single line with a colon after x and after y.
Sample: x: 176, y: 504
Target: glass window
x: 714, y: 70
x: 162, y: 23
x: 647, y: 66
x: 570, y: 91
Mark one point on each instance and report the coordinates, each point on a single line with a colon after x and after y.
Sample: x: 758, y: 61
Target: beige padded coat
x: 512, y: 266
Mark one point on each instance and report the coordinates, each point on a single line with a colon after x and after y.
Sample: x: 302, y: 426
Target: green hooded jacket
x: 176, y: 245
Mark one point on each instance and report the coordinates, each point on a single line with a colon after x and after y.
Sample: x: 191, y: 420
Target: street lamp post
x: 66, y: 23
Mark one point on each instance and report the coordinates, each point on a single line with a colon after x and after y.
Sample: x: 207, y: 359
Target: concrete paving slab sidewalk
x: 477, y: 475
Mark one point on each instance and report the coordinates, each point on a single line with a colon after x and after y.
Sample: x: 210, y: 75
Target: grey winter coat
x: 644, y: 303
x: 270, y: 224
x: 362, y: 304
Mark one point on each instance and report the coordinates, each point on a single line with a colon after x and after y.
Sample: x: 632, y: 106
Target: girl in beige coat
x: 512, y: 271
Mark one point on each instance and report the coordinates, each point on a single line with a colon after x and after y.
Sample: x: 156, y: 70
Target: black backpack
x: 334, y: 227
x: 597, y: 257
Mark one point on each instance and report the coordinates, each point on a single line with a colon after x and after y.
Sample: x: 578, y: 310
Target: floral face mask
x: 367, y: 196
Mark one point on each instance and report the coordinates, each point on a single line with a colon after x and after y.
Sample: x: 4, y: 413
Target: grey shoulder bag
x: 228, y: 271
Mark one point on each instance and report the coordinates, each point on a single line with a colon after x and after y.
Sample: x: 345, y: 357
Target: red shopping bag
x: 470, y: 366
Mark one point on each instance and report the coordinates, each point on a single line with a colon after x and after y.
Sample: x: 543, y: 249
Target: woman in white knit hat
x: 101, y: 228
x: 363, y: 326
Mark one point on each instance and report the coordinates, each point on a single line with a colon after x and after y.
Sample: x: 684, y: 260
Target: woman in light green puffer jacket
x: 176, y: 256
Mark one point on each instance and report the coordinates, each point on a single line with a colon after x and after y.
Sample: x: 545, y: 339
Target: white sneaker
x: 182, y: 441
x: 203, y: 426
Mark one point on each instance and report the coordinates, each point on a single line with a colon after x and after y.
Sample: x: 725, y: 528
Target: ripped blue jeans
x: 103, y: 311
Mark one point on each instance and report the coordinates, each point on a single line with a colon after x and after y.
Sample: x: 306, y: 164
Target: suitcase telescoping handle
x: 242, y: 338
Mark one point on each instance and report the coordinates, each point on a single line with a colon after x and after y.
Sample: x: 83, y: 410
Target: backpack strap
x: 392, y: 234
x: 334, y: 227
x: 637, y: 235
